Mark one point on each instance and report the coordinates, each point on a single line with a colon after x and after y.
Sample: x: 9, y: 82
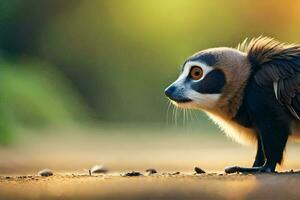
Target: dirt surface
x: 182, y: 186
x: 70, y: 156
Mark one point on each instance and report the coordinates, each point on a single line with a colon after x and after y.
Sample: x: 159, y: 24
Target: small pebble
x: 212, y: 174
x: 45, y: 172
x: 170, y: 174
x: 198, y: 170
x: 98, y: 169
x: 151, y: 171
x: 133, y: 173
x: 21, y: 177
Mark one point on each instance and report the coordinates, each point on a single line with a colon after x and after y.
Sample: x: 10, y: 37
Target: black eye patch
x: 212, y: 83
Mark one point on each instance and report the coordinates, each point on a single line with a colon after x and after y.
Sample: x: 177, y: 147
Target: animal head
x: 209, y: 78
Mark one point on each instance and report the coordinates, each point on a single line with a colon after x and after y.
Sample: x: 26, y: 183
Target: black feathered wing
x: 287, y: 92
x: 277, y: 64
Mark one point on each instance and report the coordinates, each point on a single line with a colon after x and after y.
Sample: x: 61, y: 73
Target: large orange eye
x: 196, y: 72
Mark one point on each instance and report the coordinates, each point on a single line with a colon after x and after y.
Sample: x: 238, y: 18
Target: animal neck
x: 234, y: 91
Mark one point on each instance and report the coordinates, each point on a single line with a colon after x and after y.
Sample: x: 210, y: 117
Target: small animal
x: 252, y: 93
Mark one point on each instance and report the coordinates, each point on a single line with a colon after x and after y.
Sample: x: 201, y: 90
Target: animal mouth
x: 180, y: 99
x: 188, y: 103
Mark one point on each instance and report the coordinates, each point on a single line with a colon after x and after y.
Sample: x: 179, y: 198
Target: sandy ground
x: 208, y: 186
x: 69, y: 155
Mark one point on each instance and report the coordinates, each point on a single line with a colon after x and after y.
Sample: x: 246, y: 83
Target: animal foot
x: 235, y: 169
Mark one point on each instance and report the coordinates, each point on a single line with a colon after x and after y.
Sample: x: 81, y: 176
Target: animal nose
x: 170, y: 90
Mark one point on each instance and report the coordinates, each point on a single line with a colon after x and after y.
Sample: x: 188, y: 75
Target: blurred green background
x: 83, y: 62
